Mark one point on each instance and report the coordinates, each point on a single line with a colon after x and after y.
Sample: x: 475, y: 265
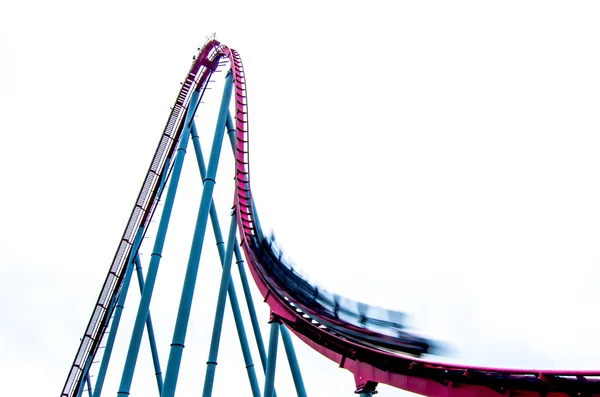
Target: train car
x: 353, y: 320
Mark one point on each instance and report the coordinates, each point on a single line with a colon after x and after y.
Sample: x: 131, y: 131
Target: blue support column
x: 150, y: 329
x: 253, y: 317
x: 81, y: 388
x: 291, y: 355
x: 114, y: 326
x: 144, y: 307
x: 272, y: 360
x: 237, y: 315
x: 244, y: 278
x: 166, y: 173
x: 89, y: 384
x: 191, y: 274
x: 118, y: 310
x: 218, y: 324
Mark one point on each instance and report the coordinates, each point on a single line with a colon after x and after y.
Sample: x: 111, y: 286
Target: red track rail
x: 370, y: 365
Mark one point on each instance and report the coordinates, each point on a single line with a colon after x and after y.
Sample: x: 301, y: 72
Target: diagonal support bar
x: 150, y: 329
x: 118, y: 310
x: 272, y: 359
x: 144, y: 306
x: 187, y: 293
x: 112, y: 333
x: 218, y: 324
x: 237, y: 315
x: 244, y: 278
x: 293, y: 361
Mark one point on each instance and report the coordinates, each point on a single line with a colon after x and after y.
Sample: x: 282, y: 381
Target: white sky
x: 434, y: 157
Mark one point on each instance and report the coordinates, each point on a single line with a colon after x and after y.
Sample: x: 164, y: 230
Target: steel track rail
x: 368, y: 362
x: 148, y: 198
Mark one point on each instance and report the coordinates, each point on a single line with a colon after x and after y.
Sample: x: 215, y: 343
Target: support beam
x: 218, y: 324
x: 88, y: 382
x: 117, y: 312
x: 293, y: 361
x: 272, y: 359
x: 112, y: 333
x: 237, y: 315
x: 144, y: 306
x: 253, y: 317
x: 149, y: 329
x: 187, y: 293
x: 243, y: 277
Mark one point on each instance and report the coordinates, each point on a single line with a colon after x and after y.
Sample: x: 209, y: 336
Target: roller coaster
x: 372, y: 343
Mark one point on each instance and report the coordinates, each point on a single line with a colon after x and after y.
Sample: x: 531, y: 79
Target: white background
x: 436, y: 157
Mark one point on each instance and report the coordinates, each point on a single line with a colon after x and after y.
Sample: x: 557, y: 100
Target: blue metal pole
x: 81, y: 387
x: 253, y: 317
x: 245, y: 285
x: 114, y: 326
x: 272, y: 361
x: 89, y: 384
x: 237, y: 315
x: 218, y: 324
x: 243, y: 277
x: 120, y: 304
x: 165, y: 177
x: 187, y: 293
x: 291, y: 355
x: 142, y: 314
x: 150, y: 329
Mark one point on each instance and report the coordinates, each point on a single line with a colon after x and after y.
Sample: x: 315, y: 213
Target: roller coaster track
x: 370, y: 363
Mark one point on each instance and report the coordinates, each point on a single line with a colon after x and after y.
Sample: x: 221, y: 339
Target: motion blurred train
x: 377, y: 327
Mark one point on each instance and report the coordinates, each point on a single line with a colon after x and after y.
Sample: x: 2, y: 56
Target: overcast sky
x: 439, y: 158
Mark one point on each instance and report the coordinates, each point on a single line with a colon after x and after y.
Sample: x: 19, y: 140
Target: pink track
x: 368, y: 364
